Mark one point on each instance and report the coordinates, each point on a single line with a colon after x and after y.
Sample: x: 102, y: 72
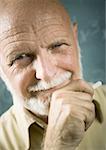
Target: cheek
x: 23, y: 80
x: 20, y: 80
x: 68, y: 62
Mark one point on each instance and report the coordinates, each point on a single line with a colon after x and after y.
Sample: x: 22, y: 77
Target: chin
x: 38, y: 106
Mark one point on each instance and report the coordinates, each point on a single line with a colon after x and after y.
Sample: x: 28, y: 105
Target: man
x: 40, y: 64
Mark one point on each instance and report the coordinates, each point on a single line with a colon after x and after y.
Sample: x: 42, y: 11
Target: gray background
x: 90, y: 15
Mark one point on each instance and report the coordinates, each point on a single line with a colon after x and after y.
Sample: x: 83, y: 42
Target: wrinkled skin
x: 41, y: 31
x: 25, y: 31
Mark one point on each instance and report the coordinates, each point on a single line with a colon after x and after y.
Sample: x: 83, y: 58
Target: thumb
x: 78, y: 86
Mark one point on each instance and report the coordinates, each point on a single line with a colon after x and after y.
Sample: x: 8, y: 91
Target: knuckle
x: 92, y: 116
x: 91, y: 88
x: 88, y: 96
x: 92, y: 107
x: 81, y: 82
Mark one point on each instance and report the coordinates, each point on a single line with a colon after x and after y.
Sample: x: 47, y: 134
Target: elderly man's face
x: 38, y: 55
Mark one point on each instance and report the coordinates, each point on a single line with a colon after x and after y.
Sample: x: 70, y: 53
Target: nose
x: 44, y: 67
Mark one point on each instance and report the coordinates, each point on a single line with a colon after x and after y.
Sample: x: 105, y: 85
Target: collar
x: 24, y: 120
x: 99, y: 102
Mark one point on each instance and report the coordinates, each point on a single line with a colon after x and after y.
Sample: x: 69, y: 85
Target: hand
x: 71, y: 114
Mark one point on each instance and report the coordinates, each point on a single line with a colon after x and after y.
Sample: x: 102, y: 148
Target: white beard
x: 35, y: 104
x: 38, y: 106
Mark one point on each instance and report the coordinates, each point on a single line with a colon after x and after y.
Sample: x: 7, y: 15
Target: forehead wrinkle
x: 6, y: 46
x: 22, y: 28
x: 49, y: 24
x: 17, y: 34
x: 45, y: 30
x: 52, y: 28
x: 49, y: 18
x: 48, y: 35
x: 17, y: 38
x: 55, y: 34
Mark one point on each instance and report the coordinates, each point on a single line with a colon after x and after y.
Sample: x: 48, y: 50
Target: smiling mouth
x: 51, y: 90
x: 58, y: 86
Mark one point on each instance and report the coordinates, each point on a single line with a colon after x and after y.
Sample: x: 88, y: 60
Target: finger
x: 79, y: 86
x: 73, y: 96
x: 74, y: 104
x: 85, y: 115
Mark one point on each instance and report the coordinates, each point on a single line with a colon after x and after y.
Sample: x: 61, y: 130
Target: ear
x: 75, y: 31
x: 78, y: 73
x: 0, y: 71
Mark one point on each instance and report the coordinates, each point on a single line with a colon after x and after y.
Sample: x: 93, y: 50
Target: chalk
x: 97, y: 84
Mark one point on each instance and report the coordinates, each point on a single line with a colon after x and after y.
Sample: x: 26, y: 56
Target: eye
x: 23, y: 56
x: 57, y: 45
x: 22, y: 59
x: 58, y: 48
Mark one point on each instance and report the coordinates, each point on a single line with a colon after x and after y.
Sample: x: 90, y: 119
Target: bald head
x: 33, y: 11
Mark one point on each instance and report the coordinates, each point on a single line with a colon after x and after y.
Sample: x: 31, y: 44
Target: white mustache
x: 42, y: 85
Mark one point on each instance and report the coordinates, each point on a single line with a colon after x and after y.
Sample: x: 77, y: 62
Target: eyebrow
x: 59, y: 41
x: 14, y: 53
